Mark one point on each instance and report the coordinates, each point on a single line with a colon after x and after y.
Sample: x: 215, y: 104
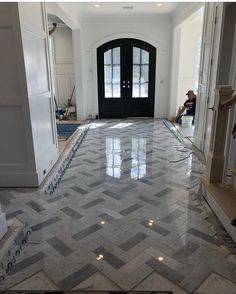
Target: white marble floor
x: 126, y: 215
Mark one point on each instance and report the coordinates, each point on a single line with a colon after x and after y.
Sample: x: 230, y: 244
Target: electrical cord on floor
x: 181, y: 159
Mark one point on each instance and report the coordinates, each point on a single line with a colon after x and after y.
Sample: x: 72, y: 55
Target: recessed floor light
x: 102, y: 222
x: 159, y: 4
x: 97, y: 5
x: 99, y: 257
x: 160, y: 258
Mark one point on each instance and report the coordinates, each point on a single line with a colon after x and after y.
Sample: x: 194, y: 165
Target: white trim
x: 135, y: 36
x: 232, y: 112
x: 219, y: 212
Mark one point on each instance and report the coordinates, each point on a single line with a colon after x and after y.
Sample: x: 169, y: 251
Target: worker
x: 189, y: 106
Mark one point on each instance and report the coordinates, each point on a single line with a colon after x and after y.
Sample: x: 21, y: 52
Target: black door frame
x: 126, y: 106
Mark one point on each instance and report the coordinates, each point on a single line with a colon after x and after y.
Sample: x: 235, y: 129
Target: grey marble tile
x: 92, y: 203
x: 14, y: 214
x: 128, y: 187
x: 110, y: 258
x: 57, y: 198
x: 89, y: 161
x: 46, y: 223
x: 145, y: 181
x: 131, y: 242
x: 204, y: 237
x: 97, y: 183
x: 77, y: 277
x: 71, y: 212
x: 156, y: 228
x: 69, y: 178
x: 156, y: 175
x: 112, y: 195
x: 186, y: 251
x: 107, y: 217
x: 172, y: 216
x: 130, y: 209
x: 165, y: 270
x: 35, y: 206
x: 79, y: 190
x: 163, y: 192
x: 59, y: 246
x: 26, y: 263
x: 150, y: 201
x: 189, y: 206
x: 86, y: 232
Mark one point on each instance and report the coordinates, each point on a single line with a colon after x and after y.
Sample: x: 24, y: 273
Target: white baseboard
x: 28, y: 179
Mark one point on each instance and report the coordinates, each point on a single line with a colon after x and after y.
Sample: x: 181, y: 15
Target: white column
x: 3, y: 224
x: 216, y: 157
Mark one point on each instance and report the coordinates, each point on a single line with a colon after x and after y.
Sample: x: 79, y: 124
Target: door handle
x: 212, y: 108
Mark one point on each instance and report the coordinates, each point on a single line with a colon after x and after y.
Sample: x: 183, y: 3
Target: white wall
x: 154, y: 30
x: 63, y: 66
x: 185, y: 57
x: 189, y: 58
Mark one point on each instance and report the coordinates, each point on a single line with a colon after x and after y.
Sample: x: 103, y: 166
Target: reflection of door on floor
x: 126, y: 79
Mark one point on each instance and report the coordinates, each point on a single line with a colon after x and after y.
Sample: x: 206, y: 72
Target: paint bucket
x: 187, y: 121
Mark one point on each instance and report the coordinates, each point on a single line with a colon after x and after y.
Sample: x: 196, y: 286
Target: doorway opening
x: 126, y: 78
x: 63, y: 79
x: 186, y: 66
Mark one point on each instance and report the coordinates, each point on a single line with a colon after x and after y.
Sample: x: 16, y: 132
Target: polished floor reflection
x: 126, y: 216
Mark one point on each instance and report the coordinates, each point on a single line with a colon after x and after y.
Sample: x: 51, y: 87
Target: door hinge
x: 204, y: 136
x: 211, y: 62
x: 208, y: 100
x: 215, y: 20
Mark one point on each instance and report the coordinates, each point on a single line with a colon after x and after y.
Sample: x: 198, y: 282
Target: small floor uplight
x: 160, y: 258
x: 151, y: 222
x: 99, y: 257
x: 102, y: 222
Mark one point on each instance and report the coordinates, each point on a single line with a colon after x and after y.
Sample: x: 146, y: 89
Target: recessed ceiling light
x: 127, y: 7
x: 97, y: 5
x: 159, y: 4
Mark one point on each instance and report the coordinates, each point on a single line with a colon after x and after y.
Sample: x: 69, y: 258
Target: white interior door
x: 208, y: 74
x: 218, y: 16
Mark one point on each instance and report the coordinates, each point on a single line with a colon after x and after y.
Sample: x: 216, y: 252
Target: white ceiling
x: 80, y: 10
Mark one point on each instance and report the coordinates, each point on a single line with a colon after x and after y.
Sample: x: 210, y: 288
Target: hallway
x: 125, y: 216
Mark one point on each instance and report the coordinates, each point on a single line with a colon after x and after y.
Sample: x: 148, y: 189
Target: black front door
x: 126, y: 79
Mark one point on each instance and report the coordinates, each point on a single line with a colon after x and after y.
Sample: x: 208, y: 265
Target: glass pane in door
x: 112, y: 83
x: 140, y: 73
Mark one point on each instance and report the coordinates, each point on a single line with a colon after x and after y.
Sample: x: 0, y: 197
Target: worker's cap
x: 190, y: 92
